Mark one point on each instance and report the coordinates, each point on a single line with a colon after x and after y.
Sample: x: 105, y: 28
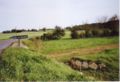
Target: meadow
x: 47, y: 47
x: 45, y: 60
x: 4, y: 36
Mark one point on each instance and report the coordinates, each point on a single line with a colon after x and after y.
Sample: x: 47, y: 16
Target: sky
x: 37, y: 14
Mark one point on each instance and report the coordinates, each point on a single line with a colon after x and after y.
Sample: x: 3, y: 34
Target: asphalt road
x: 5, y: 43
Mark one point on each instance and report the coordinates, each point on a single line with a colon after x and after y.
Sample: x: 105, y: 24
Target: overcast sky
x: 49, y: 13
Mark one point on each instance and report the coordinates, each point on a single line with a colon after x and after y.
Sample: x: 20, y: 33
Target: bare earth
x: 83, y: 51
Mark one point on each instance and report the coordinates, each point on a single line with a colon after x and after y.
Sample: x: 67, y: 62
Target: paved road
x: 5, y: 43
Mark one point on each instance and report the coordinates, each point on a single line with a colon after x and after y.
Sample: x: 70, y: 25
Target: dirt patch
x: 83, y: 51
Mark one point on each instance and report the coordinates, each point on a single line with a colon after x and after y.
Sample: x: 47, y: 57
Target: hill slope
x: 22, y: 64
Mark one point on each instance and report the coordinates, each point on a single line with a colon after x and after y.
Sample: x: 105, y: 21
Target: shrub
x: 58, y: 31
x: 44, y: 29
x: 46, y: 36
x: 81, y: 33
x: 74, y: 34
x: 115, y: 32
x: 107, y: 32
x: 89, y: 33
x: 97, y: 33
x: 57, y: 34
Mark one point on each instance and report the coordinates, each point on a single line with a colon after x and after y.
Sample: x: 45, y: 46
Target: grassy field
x: 44, y: 60
x: 103, y: 49
x: 4, y: 36
x: 48, y: 47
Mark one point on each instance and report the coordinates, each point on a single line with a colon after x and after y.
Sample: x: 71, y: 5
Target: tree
x: 7, y: 31
x: 74, y: 34
x: 68, y: 28
x: 89, y: 33
x: 59, y: 31
x: 44, y: 29
x: 113, y: 18
x: 102, y: 19
x: 34, y: 30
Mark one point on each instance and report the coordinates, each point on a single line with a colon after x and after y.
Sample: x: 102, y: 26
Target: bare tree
x: 102, y: 19
x: 113, y: 18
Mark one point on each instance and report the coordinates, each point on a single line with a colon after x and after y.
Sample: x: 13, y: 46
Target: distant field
x: 30, y: 34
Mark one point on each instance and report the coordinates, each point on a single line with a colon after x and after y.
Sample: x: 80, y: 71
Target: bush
x: 57, y: 34
x: 115, y: 32
x: 107, y: 32
x: 89, y: 33
x: 97, y: 33
x: 74, y: 35
x: 58, y: 31
x: 49, y: 36
x: 81, y: 34
x: 46, y: 36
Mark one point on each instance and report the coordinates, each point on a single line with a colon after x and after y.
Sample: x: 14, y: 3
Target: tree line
x: 103, y: 28
x: 24, y: 30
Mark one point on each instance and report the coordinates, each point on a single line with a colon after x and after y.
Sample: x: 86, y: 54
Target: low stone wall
x: 79, y: 64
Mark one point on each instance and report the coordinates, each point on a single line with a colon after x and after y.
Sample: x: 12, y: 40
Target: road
x: 5, y: 43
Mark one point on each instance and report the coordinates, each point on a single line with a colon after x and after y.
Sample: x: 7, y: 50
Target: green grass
x: 111, y: 59
x: 67, y: 44
x: 67, y: 34
x: 4, y: 36
x: 23, y: 65
x: 30, y: 34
